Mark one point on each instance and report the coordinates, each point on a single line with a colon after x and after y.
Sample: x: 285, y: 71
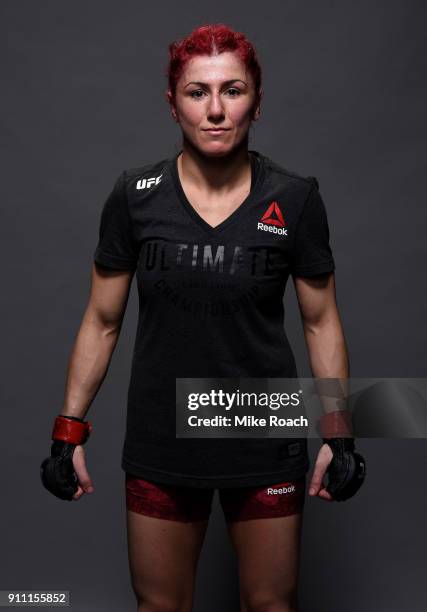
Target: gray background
x: 83, y: 98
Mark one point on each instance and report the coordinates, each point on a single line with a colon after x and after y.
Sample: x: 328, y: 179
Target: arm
x: 327, y: 350
x: 87, y: 367
x: 96, y: 338
x: 116, y: 258
x: 322, y: 327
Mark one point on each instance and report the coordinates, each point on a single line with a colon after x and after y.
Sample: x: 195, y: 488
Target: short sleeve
x: 117, y: 247
x: 311, y: 253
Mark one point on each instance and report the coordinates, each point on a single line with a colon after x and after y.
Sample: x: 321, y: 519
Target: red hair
x: 212, y: 39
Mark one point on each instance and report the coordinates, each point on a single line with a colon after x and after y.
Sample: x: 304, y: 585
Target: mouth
x: 216, y: 130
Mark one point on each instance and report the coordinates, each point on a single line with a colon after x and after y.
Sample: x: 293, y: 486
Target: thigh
x: 163, y: 552
x: 268, y: 552
x: 265, y: 526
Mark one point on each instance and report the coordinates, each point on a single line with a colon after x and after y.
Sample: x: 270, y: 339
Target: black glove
x: 57, y: 471
x: 347, y: 469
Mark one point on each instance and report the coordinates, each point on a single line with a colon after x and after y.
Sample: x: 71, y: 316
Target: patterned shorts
x: 188, y: 504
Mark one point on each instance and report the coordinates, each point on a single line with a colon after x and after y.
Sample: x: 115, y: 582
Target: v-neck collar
x: 256, y: 158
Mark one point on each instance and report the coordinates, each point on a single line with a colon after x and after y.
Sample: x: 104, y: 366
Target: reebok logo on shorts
x: 281, y: 491
x: 272, y: 220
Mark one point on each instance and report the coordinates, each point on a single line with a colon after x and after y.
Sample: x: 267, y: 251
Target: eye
x: 236, y: 92
x: 196, y: 91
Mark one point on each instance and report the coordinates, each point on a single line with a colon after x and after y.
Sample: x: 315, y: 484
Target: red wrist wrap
x: 336, y: 424
x: 68, y: 430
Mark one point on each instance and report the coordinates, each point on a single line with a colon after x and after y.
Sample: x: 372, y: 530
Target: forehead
x: 214, y: 68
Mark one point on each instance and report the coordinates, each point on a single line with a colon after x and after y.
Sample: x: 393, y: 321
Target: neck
x: 221, y: 173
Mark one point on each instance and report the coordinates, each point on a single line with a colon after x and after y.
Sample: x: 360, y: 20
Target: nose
x: 215, y: 108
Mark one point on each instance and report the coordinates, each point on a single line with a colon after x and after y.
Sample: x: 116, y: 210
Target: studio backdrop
x: 83, y: 98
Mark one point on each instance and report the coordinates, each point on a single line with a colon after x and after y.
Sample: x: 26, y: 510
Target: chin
x: 215, y: 149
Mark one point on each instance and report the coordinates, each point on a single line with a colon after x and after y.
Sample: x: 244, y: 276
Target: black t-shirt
x: 210, y: 305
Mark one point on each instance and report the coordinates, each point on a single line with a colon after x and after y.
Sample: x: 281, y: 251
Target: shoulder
x: 145, y: 182
x: 146, y: 176
x: 280, y: 174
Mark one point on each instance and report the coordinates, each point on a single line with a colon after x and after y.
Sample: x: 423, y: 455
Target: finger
x: 80, y: 468
x: 77, y: 495
x: 316, y: 482
x: 323, y: 460
x: 324, y: 494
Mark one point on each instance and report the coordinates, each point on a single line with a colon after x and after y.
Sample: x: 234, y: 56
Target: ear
x: 170, y: 100
x: 257, y: 108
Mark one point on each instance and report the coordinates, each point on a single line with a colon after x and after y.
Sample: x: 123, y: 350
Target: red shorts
x: 188, y: 504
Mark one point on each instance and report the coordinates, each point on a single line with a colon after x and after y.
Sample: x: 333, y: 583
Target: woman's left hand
x: 317, y: 486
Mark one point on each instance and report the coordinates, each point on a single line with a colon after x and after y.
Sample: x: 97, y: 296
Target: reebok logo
x: 272, y: 220
x: 281, y: 491
x: 146, y: 183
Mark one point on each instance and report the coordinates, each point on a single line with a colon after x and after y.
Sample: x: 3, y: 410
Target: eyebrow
x: 226, y: 83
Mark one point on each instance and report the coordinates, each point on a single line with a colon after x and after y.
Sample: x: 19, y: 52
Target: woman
x: 213, y: 233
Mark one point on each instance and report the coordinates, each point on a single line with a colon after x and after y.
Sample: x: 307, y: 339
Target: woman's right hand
x: 85, y: 484
x: 64, y: 473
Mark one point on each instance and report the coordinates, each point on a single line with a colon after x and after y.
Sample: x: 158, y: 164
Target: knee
x: 163, y: 605
x: 271, y: 604
x: 162, y: 599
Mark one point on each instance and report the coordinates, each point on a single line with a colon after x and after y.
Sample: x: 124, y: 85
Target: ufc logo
x: 146, y: 183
